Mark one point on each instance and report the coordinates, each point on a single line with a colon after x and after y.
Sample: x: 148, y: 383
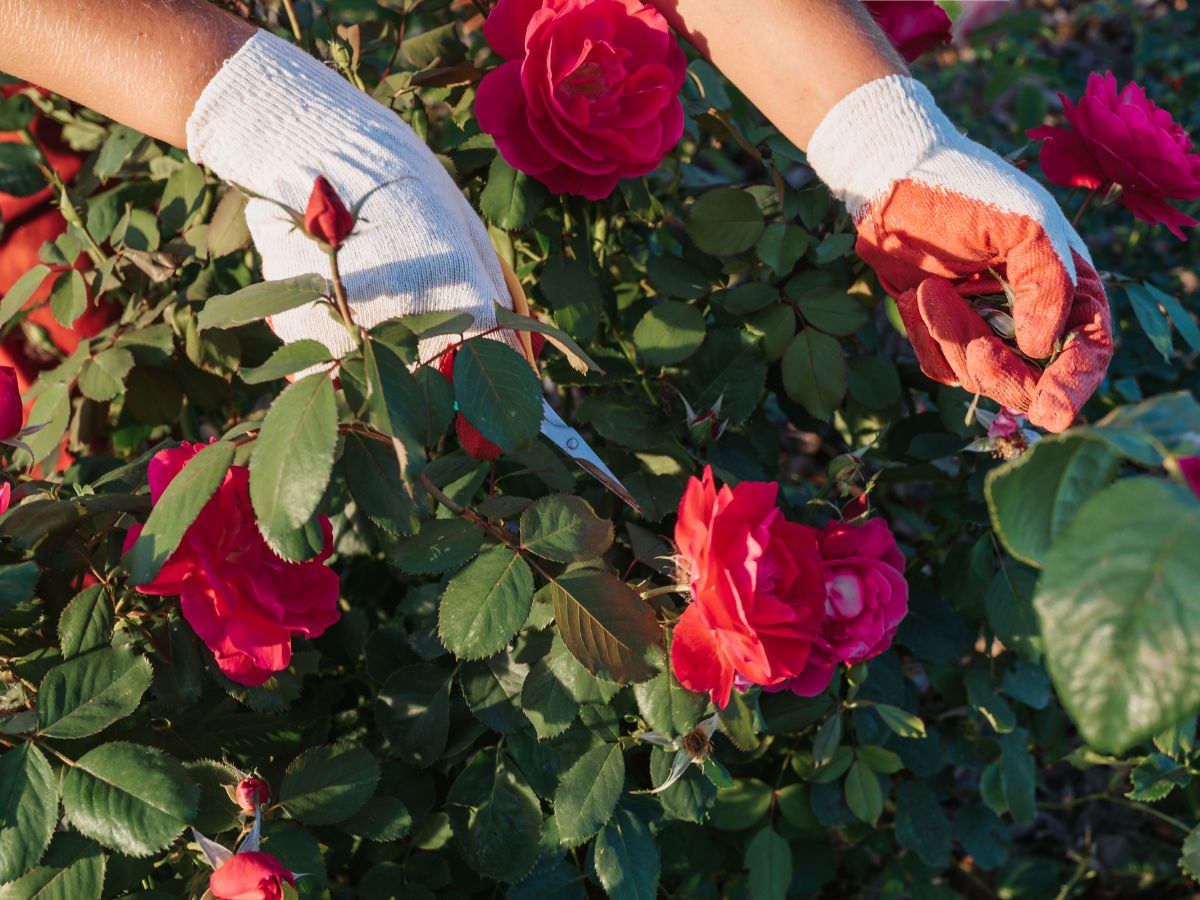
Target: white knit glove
x: 271, y: 120
x: 937, y: 214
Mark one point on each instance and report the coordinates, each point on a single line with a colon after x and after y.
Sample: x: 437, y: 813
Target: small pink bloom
x: 757, y: 589
x: 1005, y: 426
x: 589, y: 93
x: 251, y: 791
x: 1123, y: 139
x: 243, y: 600
x: 1190, y: 466
x: 866, y: 597
x: 12, y: 413
x: 250, y: 875
x: 913, y: 26
x: 327, y: 218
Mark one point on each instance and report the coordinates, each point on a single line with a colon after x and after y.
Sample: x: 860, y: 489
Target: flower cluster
x: 242, y: 599
x: 775, y: 603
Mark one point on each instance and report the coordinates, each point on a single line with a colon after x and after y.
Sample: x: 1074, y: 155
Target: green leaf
x: 182, y: 197
x: 1180, y: 317
x: 574, y: 295
x: 496, y: 817
x: 608, y: 627
x: 675, y: 277
x: 132, y: 799
x: 565, y: 529
x: 72, y: 869
x: 547, y: 702
x: 384, y: 819
x: 921, y: 826
x: 51, y: 410
x: 1018, y: 776
x: 485, y: 604
x: 19, y: 173
x: 18, y: 582
x: 588, y: 793
x: 28, y: 809
x: 396, y: 401
x: 498, y: 393
x: 1189, y: 861
x: 492, y: 689
x: 177, y: 509
x: 627, y: 859
x: 1034, y: 497
x: 669, y: 333
x: 874, y: 382
x: 725, y: 221
x: 412, y: 711
x: 227, y: 230
x: 864, y: 795
x: 23, y: 288
x: 551, y: 879
x: 260, y: 301
x: 102, y: 377
x: 440, y: 546
x: 510, y: 199
x: 214, y: 811
x: 87, y: 622
x: 288, y: 359
x: 117, y: 147
x: 1144, y: 431
x: 729, y: 367
x: 88, y: 693
x: 1120, y: 614
x: 826, y: 306
x: 814, y: 372
x: 745, y: 803
x: 328, y: 783
x: 746, y: 298
x: 1009, y: 604
x: 769, y: 860
x: 68, y: 297
x: 293, y: 456
x: 1151, y: 318
x: 375, y: 481
x: 781, y: 246
x: 900, y: 721
x: 775, y: 327
x: 667, y: 706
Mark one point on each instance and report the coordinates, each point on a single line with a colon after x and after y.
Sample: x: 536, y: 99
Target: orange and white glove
x: 937, y: 214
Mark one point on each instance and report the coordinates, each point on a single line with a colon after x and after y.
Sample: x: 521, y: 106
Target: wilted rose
x: 250, y: 875
x: 1123, y: 139
x: 244, y: 601
x: 866, y: 597
x: 589, y: 94
x: 758, y: 592
x: 913, y: 26
x: 327, y: 219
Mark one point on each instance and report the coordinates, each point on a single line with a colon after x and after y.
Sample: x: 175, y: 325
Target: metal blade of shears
x: 571, y: 442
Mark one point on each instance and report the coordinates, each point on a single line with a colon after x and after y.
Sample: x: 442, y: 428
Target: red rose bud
x: 250, y: 875
x: 704, y: 427
x: 12, y: 414
x: 327, y: 218
x: 251, y: 791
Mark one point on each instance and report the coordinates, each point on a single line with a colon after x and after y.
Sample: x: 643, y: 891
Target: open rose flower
x: 758, y: 591
x: 243, y: 600
x: 866, y: 597
x: 589, y: 93
x: 1123, y: 139
x: 251, y: 875
x: 913, y: 26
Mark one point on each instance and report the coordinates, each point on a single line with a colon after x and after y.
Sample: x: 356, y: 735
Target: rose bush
x: 465, y: 678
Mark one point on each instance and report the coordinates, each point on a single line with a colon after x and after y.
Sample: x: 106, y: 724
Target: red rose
x: 250, y: 876
x: 251, y: 792
x: 913, y: 26
x: 1123, y: 139
x: 758, y: 592
x: 12, y: 413
x: 866, y: 597
x: 326, y: 217
x: 243, y: 600
x: 1190, y: 467
x: 590, y: 92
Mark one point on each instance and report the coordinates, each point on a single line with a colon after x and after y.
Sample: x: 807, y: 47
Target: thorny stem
x: 339, y: 294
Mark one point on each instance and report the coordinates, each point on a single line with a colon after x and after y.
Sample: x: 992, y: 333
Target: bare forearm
x: 794, y: 59
x: 141, y: 62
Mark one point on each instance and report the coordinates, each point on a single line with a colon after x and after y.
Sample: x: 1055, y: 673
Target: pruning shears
x: 562, y: 435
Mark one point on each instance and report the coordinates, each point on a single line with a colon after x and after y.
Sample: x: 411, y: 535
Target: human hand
x: 939, y: 218
x: 273, y: 119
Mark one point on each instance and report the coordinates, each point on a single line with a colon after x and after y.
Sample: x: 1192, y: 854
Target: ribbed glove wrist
x: 273, y: 119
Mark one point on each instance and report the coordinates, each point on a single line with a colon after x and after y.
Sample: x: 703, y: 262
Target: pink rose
x: 913, y: 26
x: 757, y: 589
x: 1006, y: 425
x: 250, y: 875
x: 12, y: 413
x: 866, y: 599
x: 1123, y: 139
x: 589, y: 94
x: 243, y: 600
x: 251, y: 792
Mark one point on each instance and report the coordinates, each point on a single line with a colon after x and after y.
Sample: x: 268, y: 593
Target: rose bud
x: 251, y: 792
x: 327, y: 219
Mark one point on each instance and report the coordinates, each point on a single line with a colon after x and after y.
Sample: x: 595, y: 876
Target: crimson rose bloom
x: 250, y: 876
x: 243, y: 600
x: 326, y: 217
x: 250, y: 791
x: 758, y: 592
x: 913, y: 26
x: 1190, y: 467
x: 1123, y: 139
x: 12, y: 413
x: 590, y: 92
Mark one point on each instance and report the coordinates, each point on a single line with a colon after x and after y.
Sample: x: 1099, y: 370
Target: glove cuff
x: 875, y: 136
